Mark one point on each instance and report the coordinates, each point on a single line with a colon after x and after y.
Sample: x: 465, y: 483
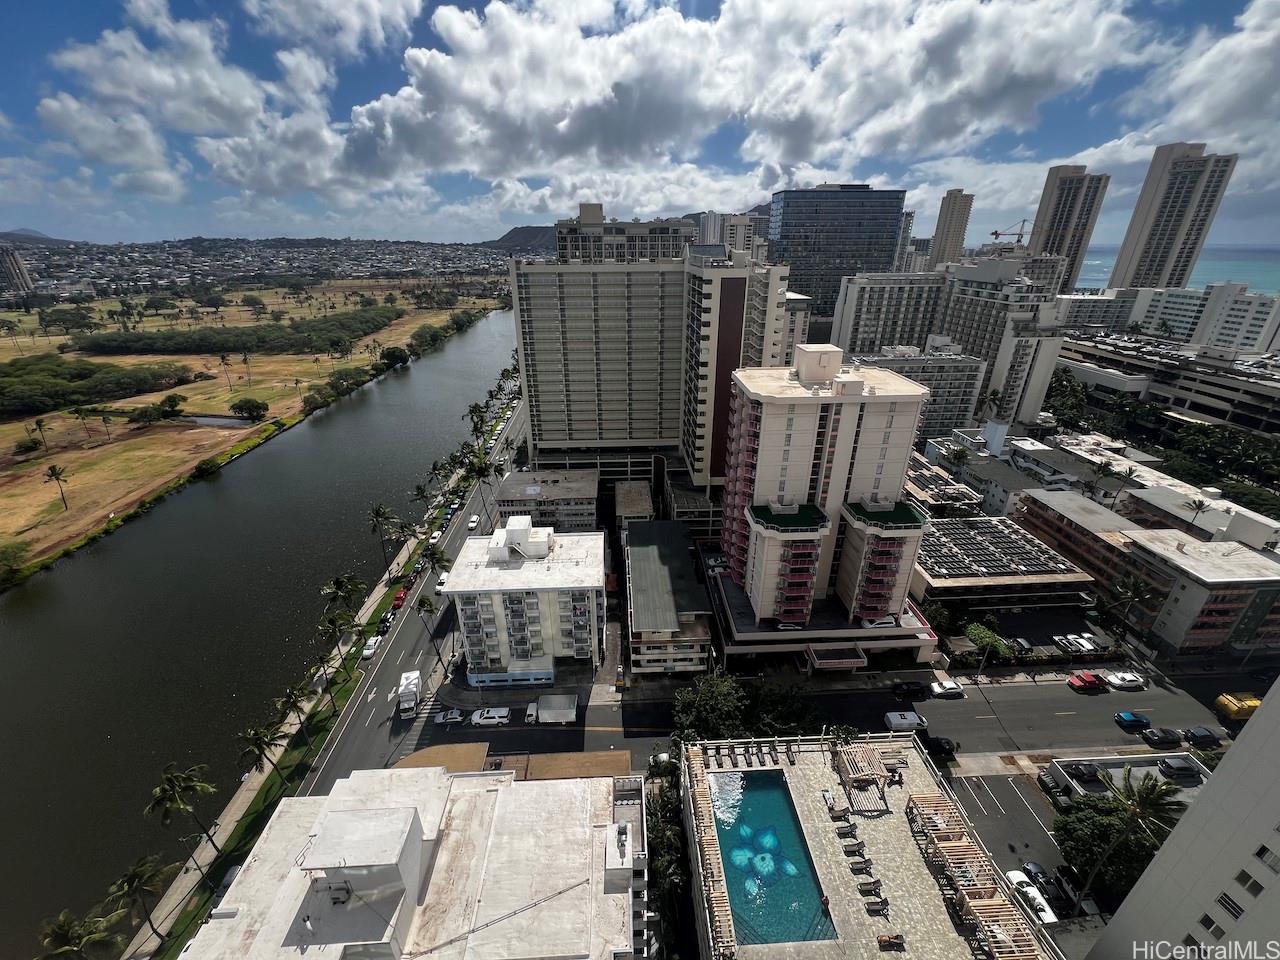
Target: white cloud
x: 339, y: 26
x: 126, y: 140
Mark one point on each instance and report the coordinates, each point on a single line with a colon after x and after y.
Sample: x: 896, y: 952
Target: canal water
x: 163, y: 640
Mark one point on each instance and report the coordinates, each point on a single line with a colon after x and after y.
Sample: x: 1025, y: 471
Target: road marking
x: 986, y: 716
x: 369, y: 718
x: 1065, y: 713
x: 400, y: 659
x: 969, y: 786
x: 1031, y: 810
x: 373, y: 692
x: 987, y: 787
x: 418, y: 658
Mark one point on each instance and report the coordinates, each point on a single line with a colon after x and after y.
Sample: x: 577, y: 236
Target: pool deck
x: 916, y: 907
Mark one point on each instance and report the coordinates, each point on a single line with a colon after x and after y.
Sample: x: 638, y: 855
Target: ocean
x: 1259, y: 267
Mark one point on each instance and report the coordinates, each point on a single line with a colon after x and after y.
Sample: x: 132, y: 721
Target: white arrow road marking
x: 372, y: 693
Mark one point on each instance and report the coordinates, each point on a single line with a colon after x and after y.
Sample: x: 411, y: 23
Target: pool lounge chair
x: 855, y: 848
x: 860, y: 866
x: 880, y: 906
x: 847, y: 831
x: 869, y: 888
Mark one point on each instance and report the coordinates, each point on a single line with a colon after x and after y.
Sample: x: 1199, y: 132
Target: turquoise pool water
x: 773, y: 889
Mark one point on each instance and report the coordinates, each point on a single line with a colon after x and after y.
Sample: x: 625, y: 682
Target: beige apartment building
x: 1068, y: 210
x: 953, y: 221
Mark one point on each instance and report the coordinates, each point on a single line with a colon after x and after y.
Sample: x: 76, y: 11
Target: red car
x: 398, y: 602
x: 1086, y: 682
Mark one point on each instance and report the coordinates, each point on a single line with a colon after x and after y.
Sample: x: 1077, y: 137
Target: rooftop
x: 990, y: 549
x: 661, y: 579
x: 1000, y: 473
x: 491, y: 869
x: 804, y: 516
x: 542, y: 485
x: 1094, y: 517
x: 1219, y: 561
x: 900, y: 514
x: 633, y: 498
x: 779, y: 383
x: 572, y: 560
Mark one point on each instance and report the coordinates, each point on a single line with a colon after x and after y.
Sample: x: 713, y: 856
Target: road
x: 368, y: 736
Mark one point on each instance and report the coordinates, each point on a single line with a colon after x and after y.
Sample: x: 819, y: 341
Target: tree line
x: 44, y: 382
x: 304, y: 335
x: 428, y: 338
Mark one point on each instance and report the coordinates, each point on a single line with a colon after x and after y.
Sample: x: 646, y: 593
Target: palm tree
x: 1150, y: 805
x: 81, y: 938
x: 380, y: 518
x: 323, y: 667
x: 177, y: 790
x: 1127, y: 476
x: 345, y: 590
x: 39, y: 425
x: 141, y: 883
x: 259, y: 744
x: 1197, y: 505
x: 248, y: 373
x: 79, y: 412
x: 56, y: 474
x: 958, y: 456
x: 437, y: 560
x: 426, y: 608
x: 293, y: 702
x: 1131, y: 590
x: 421, y: 493
x: 991, y: 404
x: 106, y: 425
x: 333, y: 628
x: 224, y: 361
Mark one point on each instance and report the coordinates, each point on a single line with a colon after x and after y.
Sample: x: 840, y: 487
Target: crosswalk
x: 414, y: 736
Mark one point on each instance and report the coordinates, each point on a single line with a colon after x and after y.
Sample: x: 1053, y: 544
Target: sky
x: 134, y: 120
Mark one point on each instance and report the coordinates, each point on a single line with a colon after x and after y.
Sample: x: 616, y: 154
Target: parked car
x: 879, y: 623
x: 474, y: 521
x: 1162, y: 738
x: 1128, y: 720
x: 371, y: 647
x: 1021, y: 646
x: 1178, y: 768
x: 435, y: 538
x: 790, y: 626
x: 944, y: 748
x: 1067, y: 644
x: 947, y: 690
x: 531, y: 713
x: 1043, y: 880
x: 1125, y: 680
x: 383, y: 628
x: 1083, y: 771
x: 1030, y: 895
x: 401, y: 596
x: 1202, y: 737
x: 1072, y: 886
x: 491, y: 717
x: 1086, y: 683
x: 1082, y: 643
x: 905, y: 721
x: 910, y: 689
x: 446, y: 718
x: 444, y: 578
x: 387, y: 617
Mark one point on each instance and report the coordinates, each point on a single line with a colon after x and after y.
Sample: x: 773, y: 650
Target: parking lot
x: 1012, y: 817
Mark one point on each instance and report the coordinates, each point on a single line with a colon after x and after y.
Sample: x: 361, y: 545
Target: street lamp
x: 193, y: 843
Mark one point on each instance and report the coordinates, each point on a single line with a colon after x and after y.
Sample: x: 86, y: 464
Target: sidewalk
x: 1029, y: 762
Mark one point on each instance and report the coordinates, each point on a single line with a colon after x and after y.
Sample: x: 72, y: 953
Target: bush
x: 26, y: 445
x: 317, y: 397
x: 250, y: 409
x: 205, y: 468
x: 313, y: 335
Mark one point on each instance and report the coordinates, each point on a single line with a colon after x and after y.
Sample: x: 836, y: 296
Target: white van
x: 444, y: 578
x: 905, y: 721
x: 531, y: 713
x: 1031, y: 896
x: 491, y: 717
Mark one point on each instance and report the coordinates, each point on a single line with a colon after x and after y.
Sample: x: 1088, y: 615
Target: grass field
x: 111, y: 468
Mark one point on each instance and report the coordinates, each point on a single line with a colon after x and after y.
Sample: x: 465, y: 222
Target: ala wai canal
x: 163, y: 640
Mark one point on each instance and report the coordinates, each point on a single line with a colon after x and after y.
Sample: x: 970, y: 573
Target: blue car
x: 1132, y: 721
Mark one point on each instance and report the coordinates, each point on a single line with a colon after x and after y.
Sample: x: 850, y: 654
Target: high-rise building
x: 798, y: 308
x: 13, y: 272
x: 831, y: 231
x: 587, y: 238
x: 710, y: 227
x: 736, y: 317
x: 600, y: 339
x: 736, y: 232
x: 953, y: 380
x: 953, y: 221
x: 817, y: 454
x: 986, y: 306
x: 904, y: 251
x: 1215, y: 881
x: 527, y: 597
x: 1180, y: 196
x: 1069, y: 207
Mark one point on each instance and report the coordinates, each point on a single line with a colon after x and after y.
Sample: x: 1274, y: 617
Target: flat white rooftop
x: 507, y: 870
x: 1219, y: 561
x: 778, y: 383
x: 575, y: 560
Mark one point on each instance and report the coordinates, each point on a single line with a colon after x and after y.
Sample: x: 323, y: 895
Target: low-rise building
x: 632, y: 502
x: 953, y: 380
x: 669, y: 613
x: 420, y: 862
x: 938, y: 494
x: 562, y: 499
x: 528, y: 597
x: 991, y: 563
x: 1201, y: 597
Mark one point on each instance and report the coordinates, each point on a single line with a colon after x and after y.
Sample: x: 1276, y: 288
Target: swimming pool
x: 773, y: 888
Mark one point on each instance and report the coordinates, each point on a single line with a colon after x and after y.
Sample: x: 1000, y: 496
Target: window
x: 1269, y: 857
x: 1227, y: 903
x: 1245, y: 879
x: 1211, y: 925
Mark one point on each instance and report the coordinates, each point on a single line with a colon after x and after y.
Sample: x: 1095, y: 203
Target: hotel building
x: 953, y: 221
x: 1069, y: 208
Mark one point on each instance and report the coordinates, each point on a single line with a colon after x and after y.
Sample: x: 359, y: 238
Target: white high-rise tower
x: 1068, y: 210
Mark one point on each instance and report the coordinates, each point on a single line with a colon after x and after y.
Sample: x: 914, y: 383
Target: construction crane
x: 1023, y: 226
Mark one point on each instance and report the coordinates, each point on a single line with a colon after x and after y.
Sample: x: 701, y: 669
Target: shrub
x: 205, y: 468
x: 26, y: 445
x: 250, y: 409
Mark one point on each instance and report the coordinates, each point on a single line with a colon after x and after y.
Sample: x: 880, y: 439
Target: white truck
x: 410, y: 694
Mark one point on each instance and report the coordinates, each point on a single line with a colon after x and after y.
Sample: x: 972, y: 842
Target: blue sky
x: 145, y: 119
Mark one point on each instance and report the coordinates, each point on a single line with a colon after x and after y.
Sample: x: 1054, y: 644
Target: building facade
x: 953, y: 379
x: 953, y: 221
x: 1180, y: 197
x: 668, y: 611
x: 1215, y: 881
x: 905, y: 250
x: 13, y: 271
x: 737, y: 232
x: 1069, y: 208
x: 527, y: 597
x: 564, y: 500
x: 588, y: 238
x: 817, y: 456
x: 831, y: 231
